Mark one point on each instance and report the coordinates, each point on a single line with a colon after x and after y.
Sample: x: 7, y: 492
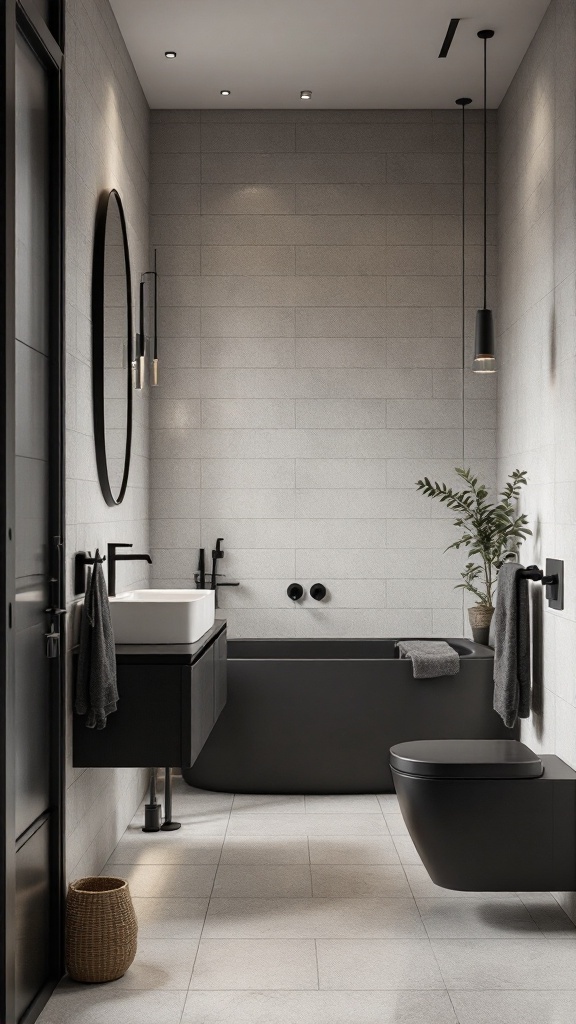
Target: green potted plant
x: 491, y: 532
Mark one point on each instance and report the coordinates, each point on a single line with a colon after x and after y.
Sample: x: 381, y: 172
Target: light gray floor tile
x: 359, y: 880
x: 313, y: 918
x: 548, y: 915
x: 249, y: 963
x: 343, y: 804
x: 353, y: 851
x: 389, y: 803
x: 431, y: 1007
x: 199, y: 801
x: 137, y: 847
x: 422, y: 886
x: 396, y: 824
x: 263, y: 880
x: 260, y: 850
x: 104, y: 1004
x: 273, y: 804
x: 406, y: 850
x: 166, y: 879
x: 377, y: 964
x: 527, y: 1007
x: 506, y: 964
x: 242, y: 824
x: 476, y: 918
x: 161, y: 964
x: 170, y: 917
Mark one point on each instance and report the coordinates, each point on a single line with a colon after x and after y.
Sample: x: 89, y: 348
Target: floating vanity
x: 170, y: 697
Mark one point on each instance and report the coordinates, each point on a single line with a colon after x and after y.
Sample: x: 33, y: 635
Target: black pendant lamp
x: 484, y: 356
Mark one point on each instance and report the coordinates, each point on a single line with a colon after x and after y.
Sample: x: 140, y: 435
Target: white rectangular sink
x: 162, y: 616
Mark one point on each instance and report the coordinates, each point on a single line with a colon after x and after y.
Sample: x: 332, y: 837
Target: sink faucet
x: 113, y: 558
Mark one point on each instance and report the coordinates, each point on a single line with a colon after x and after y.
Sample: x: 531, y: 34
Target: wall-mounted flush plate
x: 555, y: 591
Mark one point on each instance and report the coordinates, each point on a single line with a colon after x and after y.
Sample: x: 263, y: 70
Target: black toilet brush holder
x: 152, y: 810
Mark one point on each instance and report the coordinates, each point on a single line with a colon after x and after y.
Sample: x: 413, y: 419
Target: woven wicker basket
x: 101, y: 929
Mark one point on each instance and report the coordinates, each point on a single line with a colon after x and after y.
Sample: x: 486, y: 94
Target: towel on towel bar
x: 512, y: 645
x: 430, y: 658
x: 96, y: 689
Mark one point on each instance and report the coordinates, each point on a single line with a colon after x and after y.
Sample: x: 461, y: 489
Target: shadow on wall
x: 552, y: 346
x: 537, y: 662
x: 537, y: 604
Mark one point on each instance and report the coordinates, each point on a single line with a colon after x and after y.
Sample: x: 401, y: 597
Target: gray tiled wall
x: 537, y: 392
x: 310, y: 329
x: 107, y: 126
x: 537, y: 354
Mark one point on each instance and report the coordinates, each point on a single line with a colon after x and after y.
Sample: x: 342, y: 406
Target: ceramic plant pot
x: 480, y: 616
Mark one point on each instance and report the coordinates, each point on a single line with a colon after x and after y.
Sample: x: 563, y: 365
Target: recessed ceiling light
x: 225, y: 92
x: 170, y: 54
x: 306, y: 94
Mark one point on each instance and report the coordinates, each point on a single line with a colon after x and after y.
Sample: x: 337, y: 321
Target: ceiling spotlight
x: 170, y: 54
x: 306, y: 94
x: 225, y: 92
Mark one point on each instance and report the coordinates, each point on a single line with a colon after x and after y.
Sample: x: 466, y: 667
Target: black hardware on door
x: 318, y: 591
x: 295, y: 591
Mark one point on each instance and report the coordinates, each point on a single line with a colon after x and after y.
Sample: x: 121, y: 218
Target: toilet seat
x: 466, y: 759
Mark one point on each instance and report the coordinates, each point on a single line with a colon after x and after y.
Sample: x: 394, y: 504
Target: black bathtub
x: 319, y: 716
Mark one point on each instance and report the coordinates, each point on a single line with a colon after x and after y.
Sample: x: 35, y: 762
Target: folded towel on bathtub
x: 430, y: 658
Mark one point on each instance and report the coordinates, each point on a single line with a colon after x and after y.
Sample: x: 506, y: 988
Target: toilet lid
x: 466, y: 759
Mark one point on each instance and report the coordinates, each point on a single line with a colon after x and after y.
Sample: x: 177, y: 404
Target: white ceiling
x: 351, y: 53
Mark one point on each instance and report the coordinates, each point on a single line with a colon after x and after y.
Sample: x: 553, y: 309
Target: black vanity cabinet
x: 170, y: 697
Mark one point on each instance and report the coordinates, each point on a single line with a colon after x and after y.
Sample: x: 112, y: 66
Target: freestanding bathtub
x: 320, y: 716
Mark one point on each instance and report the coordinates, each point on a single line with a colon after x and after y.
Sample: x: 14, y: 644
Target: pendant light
x: 463, y: 102
x: 484, y: 357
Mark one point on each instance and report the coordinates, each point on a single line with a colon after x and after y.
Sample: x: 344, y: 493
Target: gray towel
x: 512, y: 645
x: 96, y: 689
x: 430, y: 658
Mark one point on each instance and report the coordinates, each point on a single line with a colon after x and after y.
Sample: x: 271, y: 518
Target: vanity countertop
x: 168, y: 654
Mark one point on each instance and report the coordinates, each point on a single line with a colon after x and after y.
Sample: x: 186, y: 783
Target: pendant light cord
x: 463, y: 102
x: 463, y: 270
x: 463, y: 250
x: 485, y: 171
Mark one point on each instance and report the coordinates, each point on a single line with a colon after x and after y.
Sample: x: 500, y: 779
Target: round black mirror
x: 112, y: 348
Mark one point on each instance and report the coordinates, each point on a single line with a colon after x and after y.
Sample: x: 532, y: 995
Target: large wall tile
x: 323, y: 357
x: 107, y: 145
x: 536, y: 395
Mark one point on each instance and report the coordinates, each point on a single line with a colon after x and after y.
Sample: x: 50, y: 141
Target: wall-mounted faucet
x: 113, y: 558
x: 214, y: 580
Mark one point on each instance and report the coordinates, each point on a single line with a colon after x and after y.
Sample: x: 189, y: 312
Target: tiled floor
x: 317, y: 910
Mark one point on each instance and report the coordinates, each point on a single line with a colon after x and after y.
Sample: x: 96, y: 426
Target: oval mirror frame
x: 98, y: 347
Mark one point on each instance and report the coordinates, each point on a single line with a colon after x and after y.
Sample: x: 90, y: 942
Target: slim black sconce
x: 141, y: 336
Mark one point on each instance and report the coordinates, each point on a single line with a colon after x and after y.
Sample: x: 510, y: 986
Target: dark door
x: 34, y: 764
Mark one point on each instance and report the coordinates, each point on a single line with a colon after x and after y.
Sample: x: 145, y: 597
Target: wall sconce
x: 148, y: 301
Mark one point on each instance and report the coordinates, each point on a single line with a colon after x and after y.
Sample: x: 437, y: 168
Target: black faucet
x: 216, y: 554
x: 213, y: 579
x: 113, y: 558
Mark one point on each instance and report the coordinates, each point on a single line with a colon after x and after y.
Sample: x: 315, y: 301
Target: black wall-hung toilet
x: 488, y: 815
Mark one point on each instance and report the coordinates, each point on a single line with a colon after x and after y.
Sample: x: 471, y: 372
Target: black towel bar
x: 532, y: 572
x: 552, y: 579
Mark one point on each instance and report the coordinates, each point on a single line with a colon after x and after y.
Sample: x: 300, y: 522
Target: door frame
x: 46, y: 41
